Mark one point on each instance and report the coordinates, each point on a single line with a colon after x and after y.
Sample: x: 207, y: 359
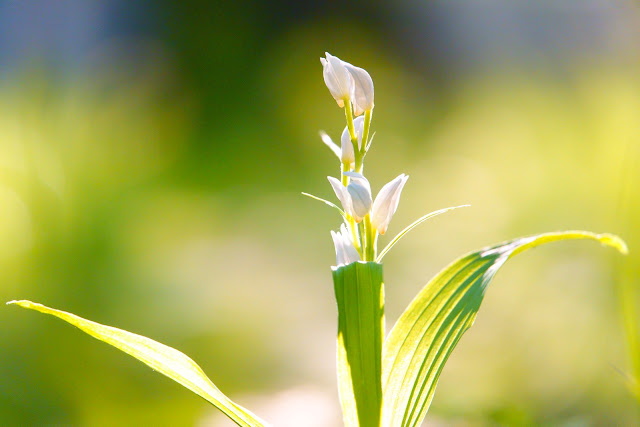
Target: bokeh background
x: 152, y: 156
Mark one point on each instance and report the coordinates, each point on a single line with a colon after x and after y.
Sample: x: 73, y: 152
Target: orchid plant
x: 382, y: 381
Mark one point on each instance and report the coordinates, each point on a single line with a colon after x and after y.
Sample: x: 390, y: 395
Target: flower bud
x: 386, y: 203
x: 337, y: 78
x: 346, y: 252
x: 348, y: 154
x: 360, y: 192
x: 362, y: 90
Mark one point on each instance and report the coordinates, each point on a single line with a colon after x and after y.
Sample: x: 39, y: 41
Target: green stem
x: 365, y: 131
x: 359, y: 163
x: 355, y: 236
x: 354, y: 138
x: 344, y: 168
x: 370, y: 239
x: 352, y: 223
x: 349, y: 114
x: 363, y: 239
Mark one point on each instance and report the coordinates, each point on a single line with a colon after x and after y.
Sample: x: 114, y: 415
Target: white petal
x: 337, y: 78
x: 341, y: 193
x: 358, y: 176
x: 358, y: 128
x: 346, y: 252
x: 386, y: 203
x: 339, y: 247
x: 329, y: 143
x: 363, y: 89
x: 348, y: 155
x: 360, y: 199
x: 345, y: 139
x: 360, y: 192
x: 349, y: 250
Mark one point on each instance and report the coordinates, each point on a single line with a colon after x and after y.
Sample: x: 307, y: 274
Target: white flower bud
x: 348, y: 154
x: 362, y: 90
x: 337, y: 78
x: 342, y: 194
x: 386, y: 203
x: 360, y: 192
x: 346, y: 252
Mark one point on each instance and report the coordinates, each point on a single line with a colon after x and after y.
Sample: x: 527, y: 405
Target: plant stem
x: 354, y: 138
x: 349, y: 115
x: 370, y: 239
x: 344, y: 168
x: 365, y: 131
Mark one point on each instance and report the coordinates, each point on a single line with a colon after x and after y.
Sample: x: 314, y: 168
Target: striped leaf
x: 164, y: 359
x: 422, y: 339
x: 360, y: 297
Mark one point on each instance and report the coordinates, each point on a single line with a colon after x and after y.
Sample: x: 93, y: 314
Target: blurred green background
x: 152, y: 156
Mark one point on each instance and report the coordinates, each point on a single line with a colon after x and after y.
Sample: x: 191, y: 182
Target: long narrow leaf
x: 411, y: 226
x: 427, y: 332
x: 360, y: 297
x: 164, y: 359
x: 326, y: 202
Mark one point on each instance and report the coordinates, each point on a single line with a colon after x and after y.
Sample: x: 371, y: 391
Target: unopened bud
x: 337, y: 78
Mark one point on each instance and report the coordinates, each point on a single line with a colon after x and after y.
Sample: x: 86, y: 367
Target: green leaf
x: 164, y: 359
x: 360, y: 297
x: 326, y: 202
x: 427, y: 332
x: 412, y: 226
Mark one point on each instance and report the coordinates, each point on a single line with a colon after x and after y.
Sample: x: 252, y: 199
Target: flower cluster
x: 365, y: 218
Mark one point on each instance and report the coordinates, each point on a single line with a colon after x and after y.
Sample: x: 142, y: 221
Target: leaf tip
x: 22, y: 303
x: 615, y: 242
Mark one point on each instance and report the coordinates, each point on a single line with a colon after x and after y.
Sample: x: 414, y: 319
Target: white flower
x: 337, y: 78
x: 362, y: 91
x: 386, y: 203
x: 356, y: 197
x: 346, y: 253
x: 360, y: 192
x: 345, y: 140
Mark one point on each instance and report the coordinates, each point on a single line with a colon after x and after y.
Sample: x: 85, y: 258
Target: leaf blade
x: 411, y: 226
x: 421, y: 341
x: 164, y: 359
x: 328, y: 203
x: 359, y: 293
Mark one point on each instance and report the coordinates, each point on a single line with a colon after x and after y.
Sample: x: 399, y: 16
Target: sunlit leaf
x: 427, y: 332
x: 411, y: 226
x: 164, y: 359
x: 326, y: 202
x: 360, y: 297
